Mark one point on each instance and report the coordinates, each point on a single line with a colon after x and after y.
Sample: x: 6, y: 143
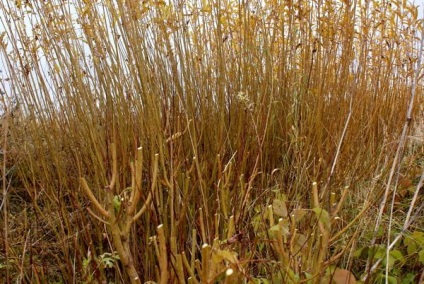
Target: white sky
x: 420, y: 4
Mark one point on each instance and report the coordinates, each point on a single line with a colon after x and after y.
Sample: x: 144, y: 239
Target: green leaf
x: 298, y: 214
x: 300, y: 242
x: 418, y: 237
x: 282, y: 226
x: 415, y: 237
x: 421, y: 256
x: 382, y: 277
x: 397, y: 255
x: 409, y: 278
x: 391, y: 280
x: 411, y: 248
x: 86, y: 262
x: 279, y: 207
x: 390, y: 263
x: 378, y: 252
x: 221, y: 255
x: 361, y: 252
x: 116, y: 202
x: 274, y: 228
x: 108, y: 262
x: 323, y: 217
x: 309, y: 277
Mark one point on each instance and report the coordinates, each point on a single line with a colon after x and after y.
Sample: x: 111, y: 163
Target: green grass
x: 212, y: 141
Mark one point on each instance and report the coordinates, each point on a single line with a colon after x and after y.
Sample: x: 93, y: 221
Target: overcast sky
x: 420, y: 4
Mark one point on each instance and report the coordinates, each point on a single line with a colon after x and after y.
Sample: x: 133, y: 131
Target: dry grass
x: 257, y: 141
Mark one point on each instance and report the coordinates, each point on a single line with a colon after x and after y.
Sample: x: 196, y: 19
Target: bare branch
x: 92, y: 198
